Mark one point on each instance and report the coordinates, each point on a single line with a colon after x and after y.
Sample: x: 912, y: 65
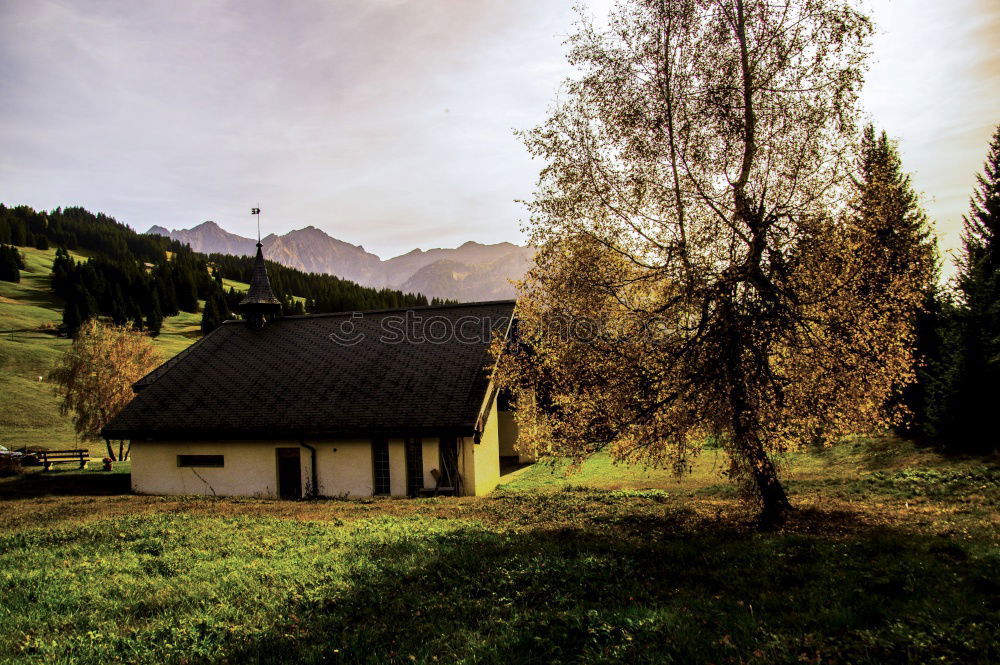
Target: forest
x: 139, y: 279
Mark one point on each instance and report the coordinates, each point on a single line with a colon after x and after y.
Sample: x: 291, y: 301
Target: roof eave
x: 284, y: 435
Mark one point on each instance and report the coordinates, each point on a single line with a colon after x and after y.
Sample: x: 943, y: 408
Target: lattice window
x: 380, y: 465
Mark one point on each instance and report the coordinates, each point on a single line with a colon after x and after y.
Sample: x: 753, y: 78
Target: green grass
x: 239, y: 287
x: 533, y: 573
x: 845, y: 462
x: 243, y: 287
x: 29, y: 348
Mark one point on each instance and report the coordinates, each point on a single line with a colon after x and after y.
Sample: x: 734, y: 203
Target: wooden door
x: 448, y: 447
x: 414, y: 466
x: 289, y: 473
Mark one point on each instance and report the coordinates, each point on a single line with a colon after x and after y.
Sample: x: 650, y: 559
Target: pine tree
x: 63, y: 268
x: 973, y: 417
x: 119, y: 310
x: 210, y: 318
x: 187, y: 292
x: 10, y: 262
x: 72, y: 318
x: 897, y: 237
x: 18, y: 234
x: 154, y: 315
x: 154, y: 322
x: 889, y: 209
x: 80, y: 306
x: 135, y: 315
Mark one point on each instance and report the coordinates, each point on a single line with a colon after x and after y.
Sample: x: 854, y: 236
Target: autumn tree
x: 700, y: 272
x: 94, y: 377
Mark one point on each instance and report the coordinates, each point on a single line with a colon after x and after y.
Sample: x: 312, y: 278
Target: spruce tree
x: 973, y: 417
x: 9, y: 262
x: 187, y: 292
x: 154, y: 315
x: 63, y: 268
x: 210, y: 318
x: 72, y: 318
x: 154, y: 322
x: 898, y: 237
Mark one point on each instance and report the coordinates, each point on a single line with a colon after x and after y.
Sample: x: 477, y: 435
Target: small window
x: 201, y: 460
x: 380, y: 463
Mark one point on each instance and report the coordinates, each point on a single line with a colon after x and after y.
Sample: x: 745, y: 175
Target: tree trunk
x: 111, y: 449
x: 774, y: 502
x: 764, y: 474
x: 748, y: 446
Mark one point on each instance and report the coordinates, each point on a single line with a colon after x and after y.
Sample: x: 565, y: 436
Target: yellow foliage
x: 94, y: 377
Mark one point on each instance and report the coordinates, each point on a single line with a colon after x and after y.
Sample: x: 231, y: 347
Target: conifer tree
x: 187, y: 292
x: 10, y: 264
x: 154, y: 315
x: 210, y: 318
x: 973, y: 417
x: 897, y: 240
x: 72, y: 318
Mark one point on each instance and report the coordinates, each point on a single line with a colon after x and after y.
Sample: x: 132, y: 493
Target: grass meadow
x: 890, y: 557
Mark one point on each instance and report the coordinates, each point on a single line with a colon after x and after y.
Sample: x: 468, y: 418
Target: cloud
x: 935, y: 85
x: 386, y: 123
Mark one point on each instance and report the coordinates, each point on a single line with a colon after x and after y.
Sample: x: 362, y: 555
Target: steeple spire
x: 260, y: 304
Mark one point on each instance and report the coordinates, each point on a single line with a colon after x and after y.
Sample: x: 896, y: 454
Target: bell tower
x: 260, y: 305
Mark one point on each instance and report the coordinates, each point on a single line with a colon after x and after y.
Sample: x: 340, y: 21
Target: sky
x: 386, y: 123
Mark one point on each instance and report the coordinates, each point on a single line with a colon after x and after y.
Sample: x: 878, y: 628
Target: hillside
x: 472, y: 271
x: 29, y: 348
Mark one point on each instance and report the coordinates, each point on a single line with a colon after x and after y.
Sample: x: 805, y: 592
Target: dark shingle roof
x: 292, y: 378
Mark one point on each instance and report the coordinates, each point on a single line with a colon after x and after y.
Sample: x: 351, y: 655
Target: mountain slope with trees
x: 140, y: 278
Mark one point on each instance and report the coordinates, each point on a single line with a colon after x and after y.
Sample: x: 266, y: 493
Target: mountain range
x: 470, y: 272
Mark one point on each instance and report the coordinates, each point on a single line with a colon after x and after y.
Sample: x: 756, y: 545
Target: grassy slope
x: 844, y: 463
x: 29, y: 348
x: 890, y: 557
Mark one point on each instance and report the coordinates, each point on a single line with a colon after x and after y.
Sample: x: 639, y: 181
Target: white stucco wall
x: 343, y: 467
x: 250, y: 468
x: 479, y: 463
x: 487, y: 454
x: 397, y: 467
x: 508, y: 433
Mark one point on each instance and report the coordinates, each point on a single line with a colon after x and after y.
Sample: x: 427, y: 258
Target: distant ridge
x: 470, y: 272
x: 209, y: 237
